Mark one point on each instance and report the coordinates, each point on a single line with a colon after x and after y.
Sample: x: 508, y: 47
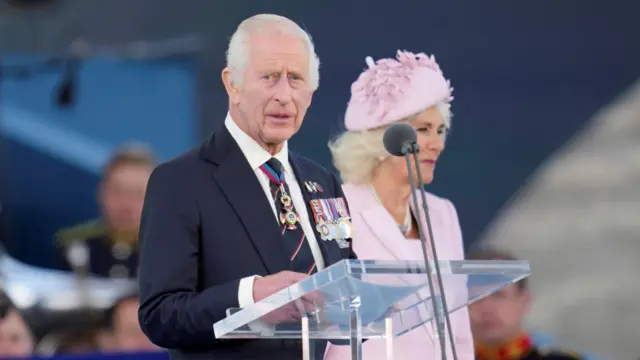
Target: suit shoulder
x: 438, y: 201
x: 186, y: 159
x: 359, y: 197
x: 177, y: 168
x: 558, y: 354
x: 320, y: 174
x: 311, y: 165
x: 80, y: 232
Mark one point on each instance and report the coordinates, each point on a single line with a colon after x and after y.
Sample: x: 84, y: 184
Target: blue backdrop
x: 53, y: 155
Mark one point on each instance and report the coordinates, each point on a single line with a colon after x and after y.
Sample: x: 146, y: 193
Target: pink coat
x: 377, y: 237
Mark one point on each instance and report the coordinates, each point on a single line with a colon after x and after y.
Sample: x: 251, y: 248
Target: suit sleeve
x: 175, y: 312
x: 461, y: 324
x: 340, y: 194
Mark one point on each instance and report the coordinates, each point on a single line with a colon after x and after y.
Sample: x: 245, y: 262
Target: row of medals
x: 290, y: 218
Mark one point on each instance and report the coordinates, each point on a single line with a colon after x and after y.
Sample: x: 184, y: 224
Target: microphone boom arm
x: 425, y: 207
x: 414, y: 197
x: 401, y: 139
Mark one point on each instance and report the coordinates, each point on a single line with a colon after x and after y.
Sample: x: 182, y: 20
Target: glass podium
x: 354, y: 300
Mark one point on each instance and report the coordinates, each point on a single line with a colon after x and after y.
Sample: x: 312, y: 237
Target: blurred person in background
x: 497, y: 321
x: 123, y: 332
x: 112, y: 241
x: 410, y: 89
x: 78, y: 341
x: 16, y: 339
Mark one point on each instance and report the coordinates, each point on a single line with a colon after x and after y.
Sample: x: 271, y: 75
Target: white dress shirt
x: 256, y: 156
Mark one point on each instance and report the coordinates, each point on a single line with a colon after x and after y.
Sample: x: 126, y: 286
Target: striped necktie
x: 295, y: 241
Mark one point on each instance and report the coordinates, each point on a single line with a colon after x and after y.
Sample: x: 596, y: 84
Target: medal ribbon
x: 318, y: 211
x: 331, y: 204
x: 272, y: 174
x: 342, y: 207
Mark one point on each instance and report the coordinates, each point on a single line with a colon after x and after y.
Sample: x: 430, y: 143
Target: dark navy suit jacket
x: 206, y: 223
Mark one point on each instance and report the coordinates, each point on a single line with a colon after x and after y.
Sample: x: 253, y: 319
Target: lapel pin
x: 309, y: 187
x: 317, y: 187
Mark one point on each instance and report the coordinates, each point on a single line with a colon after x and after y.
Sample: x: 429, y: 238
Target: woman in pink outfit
x: 412, y: 89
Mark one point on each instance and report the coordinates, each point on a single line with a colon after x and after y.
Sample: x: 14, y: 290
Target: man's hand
x: 269, y: 285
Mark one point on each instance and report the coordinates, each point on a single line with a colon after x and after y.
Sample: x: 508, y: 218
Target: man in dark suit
x: 234, y: 221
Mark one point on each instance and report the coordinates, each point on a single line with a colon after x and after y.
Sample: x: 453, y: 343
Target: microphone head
x: 398, y: 138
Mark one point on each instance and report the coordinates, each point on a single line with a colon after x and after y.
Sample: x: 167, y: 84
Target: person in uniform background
x: 78, y: 341
x: 108, y: 247
x: 16, y: 338
x: 497, y: 321
x: 123, y: 332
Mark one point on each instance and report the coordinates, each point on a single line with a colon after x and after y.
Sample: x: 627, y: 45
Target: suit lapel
x: 245, y: 195
x: 389, y: 236
x: 330, y: 249
x: 436, y: 224
x: 385, y: 229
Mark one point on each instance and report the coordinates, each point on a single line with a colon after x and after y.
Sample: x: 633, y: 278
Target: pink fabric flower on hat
x: 393, y: 89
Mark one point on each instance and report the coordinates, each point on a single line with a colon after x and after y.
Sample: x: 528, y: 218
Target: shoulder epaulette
x: 555, y: 353
x: 80, y: 232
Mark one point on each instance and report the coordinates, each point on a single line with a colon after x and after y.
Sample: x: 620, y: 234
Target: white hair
x: 356, y: 154
x: 238, y: 51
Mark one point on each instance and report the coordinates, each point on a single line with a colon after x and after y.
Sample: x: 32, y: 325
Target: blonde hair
x: 356, y: 154
x: 238, y: 50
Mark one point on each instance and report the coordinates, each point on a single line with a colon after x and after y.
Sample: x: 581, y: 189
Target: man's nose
x: 283, y: 91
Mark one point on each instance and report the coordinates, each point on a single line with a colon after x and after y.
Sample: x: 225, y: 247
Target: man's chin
x: 279, y: 136
x: 126, y: 229
x: 493, y: 337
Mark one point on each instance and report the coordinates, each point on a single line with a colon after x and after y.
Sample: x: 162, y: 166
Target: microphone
x: 401, y: 139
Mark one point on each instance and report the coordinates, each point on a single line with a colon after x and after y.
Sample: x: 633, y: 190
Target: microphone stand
x: 408, y: 150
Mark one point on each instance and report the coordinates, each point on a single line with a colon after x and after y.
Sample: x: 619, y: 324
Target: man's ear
x: 232, y: 90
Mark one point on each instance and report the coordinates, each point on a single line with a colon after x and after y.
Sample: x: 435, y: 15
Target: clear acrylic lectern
x: 354, y: 300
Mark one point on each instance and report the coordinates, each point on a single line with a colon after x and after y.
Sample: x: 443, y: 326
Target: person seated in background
x: 410, y: 89
x: 79, y: 341
x: 108, y: 247
x: 123, y: 332
x: 16, y: 339
x: 497, y: 321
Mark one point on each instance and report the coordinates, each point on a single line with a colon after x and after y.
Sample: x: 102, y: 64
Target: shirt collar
x: 256, y: 155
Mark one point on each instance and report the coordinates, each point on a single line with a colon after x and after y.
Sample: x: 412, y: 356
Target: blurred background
x: 543, y: 160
